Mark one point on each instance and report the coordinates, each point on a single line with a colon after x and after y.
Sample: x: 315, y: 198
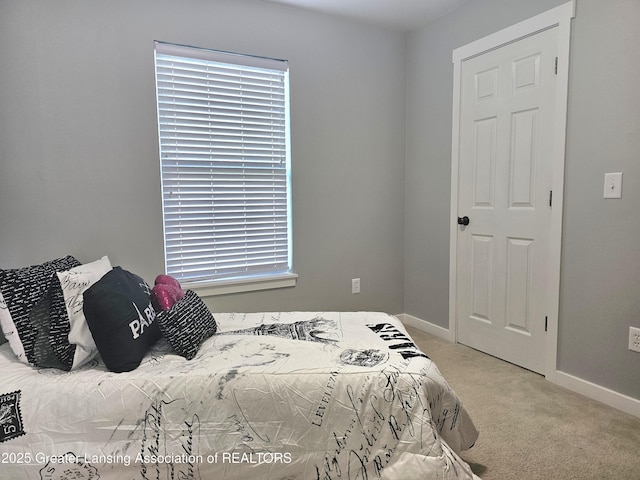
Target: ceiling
x: 402, y: 15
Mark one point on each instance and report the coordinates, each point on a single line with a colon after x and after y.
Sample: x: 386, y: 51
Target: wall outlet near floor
x: 634, y: 339
x: 355, y: 285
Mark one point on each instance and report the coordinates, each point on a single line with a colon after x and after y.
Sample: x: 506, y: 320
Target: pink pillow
x: 167, y: 280
x: 166, y: 292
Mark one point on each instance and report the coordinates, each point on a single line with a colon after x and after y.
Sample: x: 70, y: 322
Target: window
x: 223, y: 123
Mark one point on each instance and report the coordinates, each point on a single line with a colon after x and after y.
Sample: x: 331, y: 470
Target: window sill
x: 225, y: 287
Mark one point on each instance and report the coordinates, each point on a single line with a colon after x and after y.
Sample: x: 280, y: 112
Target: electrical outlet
x: 355, y: 285
x: 634, y: 339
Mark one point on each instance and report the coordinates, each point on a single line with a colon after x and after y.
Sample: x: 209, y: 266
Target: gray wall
x: 79, y: 168
x: 600, y: 282
x: 600, y: 278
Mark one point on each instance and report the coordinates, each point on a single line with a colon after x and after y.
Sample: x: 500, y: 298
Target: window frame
x: 239, y: 281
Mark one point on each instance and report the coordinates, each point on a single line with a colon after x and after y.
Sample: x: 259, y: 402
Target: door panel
x: 523, y: 175
x: 519, y: 277
x: 482, y: 277
x: 504, y: 178
x: 484, y: 162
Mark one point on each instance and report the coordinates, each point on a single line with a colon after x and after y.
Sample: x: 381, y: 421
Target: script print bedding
x: 271, y: 396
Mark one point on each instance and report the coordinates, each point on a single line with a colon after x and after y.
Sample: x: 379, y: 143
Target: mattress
x: 290, y: 395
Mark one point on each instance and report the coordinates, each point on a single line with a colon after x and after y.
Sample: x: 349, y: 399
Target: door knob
x: 463, y: 220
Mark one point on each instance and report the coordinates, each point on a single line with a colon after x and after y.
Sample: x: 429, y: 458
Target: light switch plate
x: 613, y: 185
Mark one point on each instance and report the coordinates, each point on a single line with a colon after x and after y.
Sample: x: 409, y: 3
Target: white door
x: 505, y: 167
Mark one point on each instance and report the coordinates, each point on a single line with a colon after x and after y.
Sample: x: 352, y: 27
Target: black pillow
x: 187, y: 324
x: 121, y: 319
x: 35, y: 315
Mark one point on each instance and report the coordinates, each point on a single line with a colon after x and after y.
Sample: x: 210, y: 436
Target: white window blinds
x: 225, y: 163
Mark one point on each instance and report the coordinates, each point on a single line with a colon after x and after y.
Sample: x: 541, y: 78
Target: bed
x: 272, y: 395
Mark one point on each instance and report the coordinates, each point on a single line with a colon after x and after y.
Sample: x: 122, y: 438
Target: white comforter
x: 270, y: 396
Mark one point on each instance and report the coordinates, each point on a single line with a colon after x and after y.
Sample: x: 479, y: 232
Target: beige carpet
x: 531, y: 429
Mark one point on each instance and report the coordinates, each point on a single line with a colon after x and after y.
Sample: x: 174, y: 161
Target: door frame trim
x: 557, y: 17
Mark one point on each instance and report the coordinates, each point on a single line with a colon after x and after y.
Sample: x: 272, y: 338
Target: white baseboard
x: 426, y: 327
x: 597, y: 392
x: 591, y: 390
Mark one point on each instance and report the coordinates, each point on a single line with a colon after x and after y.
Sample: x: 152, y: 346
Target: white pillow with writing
x: 74, y: 282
